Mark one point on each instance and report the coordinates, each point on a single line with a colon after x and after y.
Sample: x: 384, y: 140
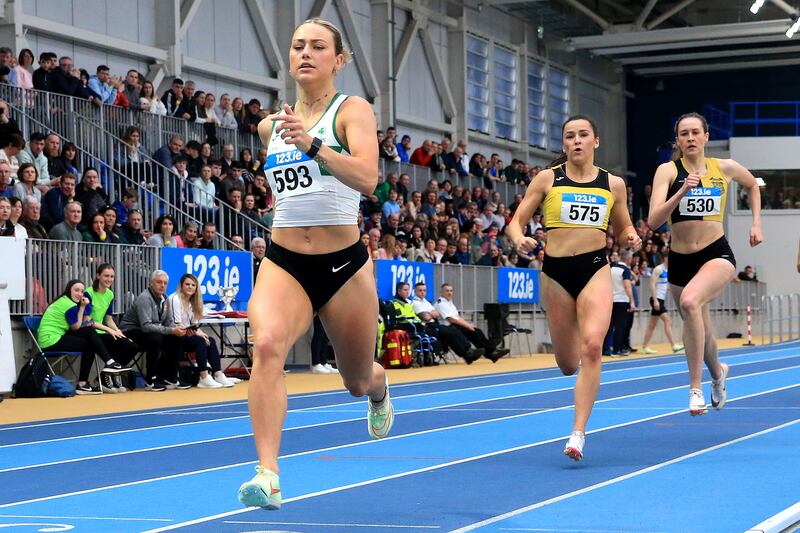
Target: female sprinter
x: 578, y: 199
x: 691, y: 191
x: 322, y: 155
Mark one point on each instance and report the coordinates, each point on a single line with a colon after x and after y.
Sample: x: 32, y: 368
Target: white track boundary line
x: 618, y: 479
x: 441, y: 466
x: 112, y: 518
x: 360, y: 402
x: 400, y: 385
x: 778, y: 522
x: 426, y: 409
x: 323, y: 524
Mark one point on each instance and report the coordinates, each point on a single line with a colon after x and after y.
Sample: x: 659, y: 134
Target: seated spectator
x: 148, y: 101
x: 67, y: 80
x: 67, y: 326
x: 34, y: 153
x: 489, y: 218
x: 7, y: 228
x: 404, y: 149
x: 422, y: 156
x: 748, y: 274
x: 162, y: 233
x: 463, y: 252
x: 42, y: 76
x: 96, y: 231
x: 387, y: 248
x: 231, y: 182
x: 90, y: 194
x: 449, y: 255
x: 9, y: 152
x: 56, y: 167
x: 258, y: 247
x: 173, y: 97
x: 132, y: 158
x: 14, y: 218
x: 67, y: 229
x: 131, y: 231
x: 429, y: 207
x: 168, y: 152
x: 252, y: 117
x: 407, y: 319
x: 209, y: 235
x: 392, y: 225
x: 67, y: 162
x: 110, y: 224
x: 390, y: 206
x: 249, y: 207
x: 105, y: 85
x: 24, y: 69
x: 204, y: 193
x: 428, y: 254
x: 492, y: 257
x: 374, y: 245
x: 224, y: 111
x: 149, y: 323
x: 262, y: 193
x: 187, y: 309
x: 31, y: 213
x: 448, y: 337
x: 193, y: 161
x: 449, y: 315
x: 227, y: 158
x: 27, y: 177
x: 101, y: 299
x: 6, y: 185
x: 250, y: 164
x: 236, y: 244
x: 130, y: 197
x: 188, y: 237
x: 178, y: 181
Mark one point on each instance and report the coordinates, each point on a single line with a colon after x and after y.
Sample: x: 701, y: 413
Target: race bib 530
x: 583, y: 209
x: 701, y: 201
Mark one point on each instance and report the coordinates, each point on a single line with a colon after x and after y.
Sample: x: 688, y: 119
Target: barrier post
x: 749, y: 327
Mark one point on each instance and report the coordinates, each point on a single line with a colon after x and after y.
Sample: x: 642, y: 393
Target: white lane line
x: 618, y: 479
x: 111, y: 518
x: 446, y: 465
x: 419, y: 395
x: 778, y: 522
x: 399, y: 412
x: 323, y: 524
x: 314, y: 395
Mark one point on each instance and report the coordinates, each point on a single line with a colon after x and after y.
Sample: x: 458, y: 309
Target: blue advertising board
x: 213, y: 268
x: 390, y: 273
x: 517, y: 285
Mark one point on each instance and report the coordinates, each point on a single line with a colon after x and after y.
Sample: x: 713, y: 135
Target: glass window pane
x: 477, y: 84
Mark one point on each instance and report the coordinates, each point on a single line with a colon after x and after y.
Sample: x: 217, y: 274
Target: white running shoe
x: 331, y: 370
x: 233, y: 380
x: 380, y: 418
x: 223, y: 380
x: 677, y: 347
x: 208, y: 382
x: 574, y: 446
x: 697, y: 402
x: 719, y: 394
x: 319, y: 369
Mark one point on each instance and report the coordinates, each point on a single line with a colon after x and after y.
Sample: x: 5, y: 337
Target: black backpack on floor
x: 34, y: 378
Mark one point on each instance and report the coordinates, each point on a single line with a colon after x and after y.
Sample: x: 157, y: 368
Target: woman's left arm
x: 745, y: 178
x: 360, y: 170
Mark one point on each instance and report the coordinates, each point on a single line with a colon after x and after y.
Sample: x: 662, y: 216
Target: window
x: 477, y: 84
x: 557, y: 104
x: 537, y: 118
x: 505, y: 92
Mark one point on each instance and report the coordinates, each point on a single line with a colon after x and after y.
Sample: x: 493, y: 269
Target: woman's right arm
x: 660, y: 206
x: 532, y: 200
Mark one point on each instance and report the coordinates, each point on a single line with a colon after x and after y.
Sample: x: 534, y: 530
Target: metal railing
x: 782, y: 318
x: 753, y: 119
x: 158, y: 179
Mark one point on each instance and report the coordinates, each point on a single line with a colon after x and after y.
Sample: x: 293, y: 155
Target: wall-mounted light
x: 758, y: 4
x: 794, y: 28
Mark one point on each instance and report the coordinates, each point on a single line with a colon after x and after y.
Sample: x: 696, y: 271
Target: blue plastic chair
x: 32, y: 325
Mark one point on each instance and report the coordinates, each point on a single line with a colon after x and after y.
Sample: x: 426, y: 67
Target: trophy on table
x: 227, y: 294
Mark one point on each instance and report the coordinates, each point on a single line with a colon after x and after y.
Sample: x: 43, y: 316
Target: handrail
x: 751, y: 115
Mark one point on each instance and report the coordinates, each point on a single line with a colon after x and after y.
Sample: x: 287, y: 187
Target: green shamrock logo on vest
x: 322, y: 131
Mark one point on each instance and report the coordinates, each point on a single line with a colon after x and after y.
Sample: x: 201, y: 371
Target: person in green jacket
x: 67, y: 326
x: 101, y: 299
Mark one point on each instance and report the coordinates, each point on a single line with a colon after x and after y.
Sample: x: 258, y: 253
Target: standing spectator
x: 131, y: 89
x: 101, y: 298
x: 56, y: 199
x: 189, y: 236
x: 149, y: 324
x: 258, y: 247
x: 208, y: 112
x: 187, y: 309
x: 209, y: 236
x: 453, y: 163
x: 31, y: 214
x: 449, y: 316
x: 67, y: 326
x: 34, y: 153
x: 162, y: 233
x: 404, y: 148
x: 42, y: 76
x: 67, y: 80
x: 26, y: 184
x: 105, y: 85
x: 224, y: 112
x: 252, y: 117
x: 148, y: 101
x: 748, y: 274
x: 187, y: 109
x: 422, y: 156
x: 131, y: 231
x: 437, y: 160
x: 24, y: 69
x: 173, y: 97
x: 9, y: 152
x: 388, y: 151
x: 90, y: 194
x: 6, y: 226
x: 621, y: 281
x: 193, y: 161
x: 7, y: 65
x: 132, y: 158
x: 237, y: 107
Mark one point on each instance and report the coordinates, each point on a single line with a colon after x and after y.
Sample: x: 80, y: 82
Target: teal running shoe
x: 264, y: 490
x: 380, y: 418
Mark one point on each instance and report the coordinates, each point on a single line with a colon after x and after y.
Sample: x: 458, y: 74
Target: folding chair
x: 497, y: 320
x: 32, y: 325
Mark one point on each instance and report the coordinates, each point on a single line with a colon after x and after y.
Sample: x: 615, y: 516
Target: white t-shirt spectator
x: 422, y: 306
x: 619, y: 273
x: 446, y: 309
x: 157, y: 107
